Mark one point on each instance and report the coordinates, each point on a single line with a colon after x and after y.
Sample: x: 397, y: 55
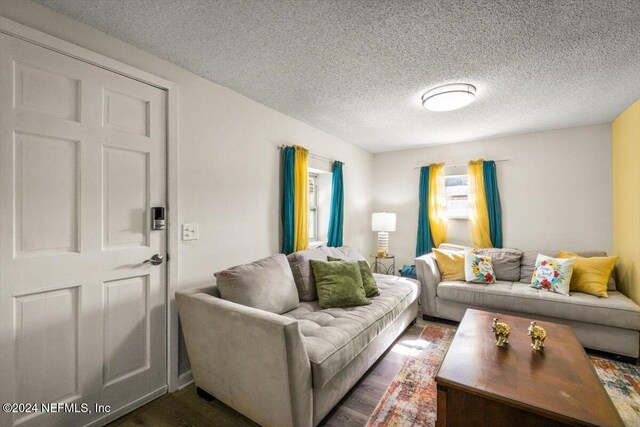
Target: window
x: 457, y: 192
x: 313, y: 207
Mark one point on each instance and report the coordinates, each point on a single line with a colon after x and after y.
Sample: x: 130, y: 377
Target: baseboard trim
x: 185, y: 379
x: 128, y: 407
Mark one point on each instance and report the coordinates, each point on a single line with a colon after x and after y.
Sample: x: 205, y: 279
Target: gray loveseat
x: 607, y: 324
x: 290, y: 369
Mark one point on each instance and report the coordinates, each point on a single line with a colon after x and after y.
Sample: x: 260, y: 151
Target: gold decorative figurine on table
x: 501, y: 331
x: 538, y: 335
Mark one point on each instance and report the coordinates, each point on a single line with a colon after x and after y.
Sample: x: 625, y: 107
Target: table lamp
x: 383, y: 223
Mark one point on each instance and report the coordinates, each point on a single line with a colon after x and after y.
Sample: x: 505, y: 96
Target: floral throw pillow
x: 552, y: 274
x: 478, y: 269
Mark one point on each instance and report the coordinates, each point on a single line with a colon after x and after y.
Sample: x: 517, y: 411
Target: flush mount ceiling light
x: 449, y: 97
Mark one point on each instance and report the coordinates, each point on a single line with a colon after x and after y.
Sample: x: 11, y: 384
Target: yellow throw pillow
x: 590, y: 275
x: 450, y: 264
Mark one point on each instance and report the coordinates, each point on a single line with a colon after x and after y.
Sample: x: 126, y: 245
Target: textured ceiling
x: 357, y: 69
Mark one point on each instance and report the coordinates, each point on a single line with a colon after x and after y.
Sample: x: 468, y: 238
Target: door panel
x: 46, y: 181
x: 126, y: 326
x: 47, y: 362
x: 46, y: 92
x: 82, y: 160
x: 46, y: 333
x: 126, y: 198
x: 125, y: 113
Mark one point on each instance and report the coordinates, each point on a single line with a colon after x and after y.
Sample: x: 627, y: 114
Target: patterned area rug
x: 622, y: 381
x: 410, y: 400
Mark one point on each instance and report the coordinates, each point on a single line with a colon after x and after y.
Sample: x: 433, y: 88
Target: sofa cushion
x: 506, y: 262
x: 266, y: 284
x: 338, y: 283
x: 450, y: 263
x: 478, y: 269
x: 368, y: 281
x: 553, y: 274
x: 617, y: 310
x: 591, y: 274
x: 346, y: 252
x: 611, y: 283
x: 528, y: 261
x: 302, y: 274
x: 334, y: 337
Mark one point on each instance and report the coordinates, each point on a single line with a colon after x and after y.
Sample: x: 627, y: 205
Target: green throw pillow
x: 369, y: 283
x: 339, y: 283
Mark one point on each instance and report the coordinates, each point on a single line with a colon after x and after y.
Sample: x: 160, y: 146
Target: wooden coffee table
x: 481, y: 384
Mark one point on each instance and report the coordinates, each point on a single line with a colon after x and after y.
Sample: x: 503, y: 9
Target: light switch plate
x: 190, y: 232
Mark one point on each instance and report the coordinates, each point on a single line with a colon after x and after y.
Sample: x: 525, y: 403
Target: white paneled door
x: 82, y: 161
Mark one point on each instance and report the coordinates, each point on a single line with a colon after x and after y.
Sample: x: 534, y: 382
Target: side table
x: 384, y: 264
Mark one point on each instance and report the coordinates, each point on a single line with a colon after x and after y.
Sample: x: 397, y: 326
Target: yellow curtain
x: 437, y: 204
x: 479, y: 213
x: 301, y: 200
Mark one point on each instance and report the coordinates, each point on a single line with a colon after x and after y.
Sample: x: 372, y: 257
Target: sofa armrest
x: 250, y: 359
x: 429, y: 277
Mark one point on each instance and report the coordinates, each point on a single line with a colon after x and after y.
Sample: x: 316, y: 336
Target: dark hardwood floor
x: 185, y: 408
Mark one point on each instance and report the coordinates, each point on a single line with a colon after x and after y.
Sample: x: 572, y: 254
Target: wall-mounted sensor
x: 158, y: 220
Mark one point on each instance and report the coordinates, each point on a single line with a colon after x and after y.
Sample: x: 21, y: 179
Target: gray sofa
x: 290, y: 369
x: 608, y: 324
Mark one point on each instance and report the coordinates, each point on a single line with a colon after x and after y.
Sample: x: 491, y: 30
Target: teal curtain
x: 425, y: 240
x: 337, y: 207
x: 288, y: 183
x: 493, y: 202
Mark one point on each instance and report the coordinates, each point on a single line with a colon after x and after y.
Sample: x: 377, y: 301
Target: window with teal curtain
x: 425, y: 241
x: 288, y: 189
x: 493, y: 202
x: 336, y: 217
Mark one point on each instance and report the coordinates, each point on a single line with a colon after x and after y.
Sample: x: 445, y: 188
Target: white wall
x: 229, y: 166
x: 555, y: 190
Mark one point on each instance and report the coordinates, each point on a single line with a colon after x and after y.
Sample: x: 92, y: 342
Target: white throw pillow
x: 478, y: 268
x: 552, y: 274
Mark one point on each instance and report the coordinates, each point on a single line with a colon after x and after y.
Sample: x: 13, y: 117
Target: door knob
x: 155, y: 259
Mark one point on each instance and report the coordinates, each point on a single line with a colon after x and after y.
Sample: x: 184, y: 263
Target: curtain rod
x: 314, y: 156
x: 462, y: 164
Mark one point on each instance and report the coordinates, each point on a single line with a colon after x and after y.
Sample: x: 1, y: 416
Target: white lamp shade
x: 383, y: 221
